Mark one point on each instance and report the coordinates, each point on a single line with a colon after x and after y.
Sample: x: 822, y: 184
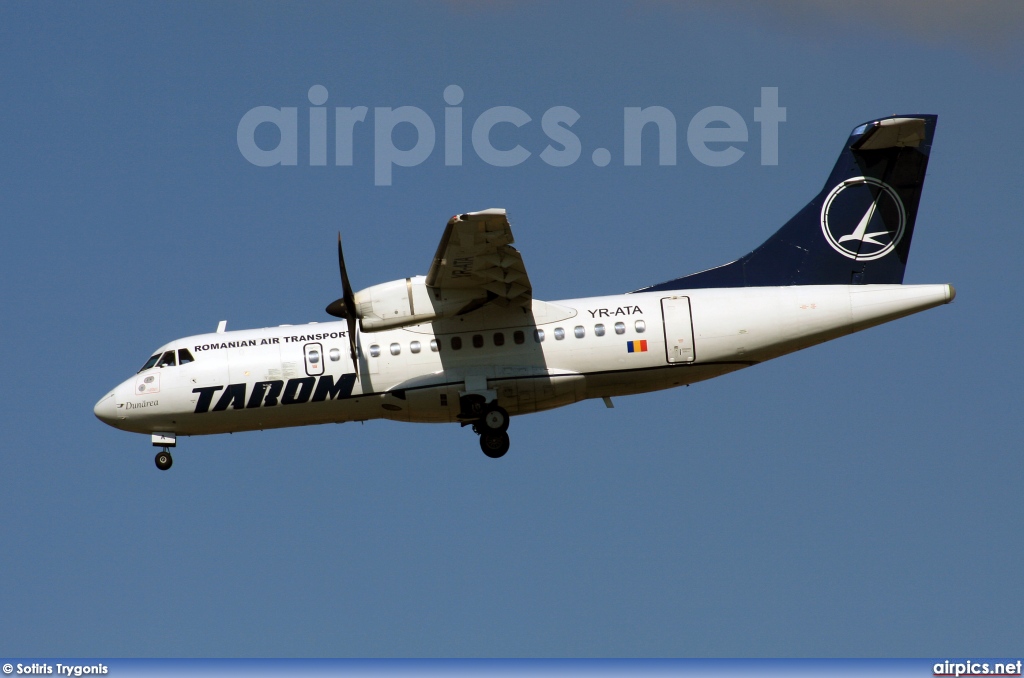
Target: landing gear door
x: 313, y: 354
x: 678, y: 329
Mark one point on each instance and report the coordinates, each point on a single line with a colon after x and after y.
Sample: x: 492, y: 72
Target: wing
x: 476, y: 255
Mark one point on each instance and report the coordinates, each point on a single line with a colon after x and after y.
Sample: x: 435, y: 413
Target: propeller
x: 346, y: 307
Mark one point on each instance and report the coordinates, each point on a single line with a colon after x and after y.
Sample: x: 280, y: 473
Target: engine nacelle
x: 407, y: 302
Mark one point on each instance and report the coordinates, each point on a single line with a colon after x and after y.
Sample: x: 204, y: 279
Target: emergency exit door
x: 678, y: 329
x: 314, y: 356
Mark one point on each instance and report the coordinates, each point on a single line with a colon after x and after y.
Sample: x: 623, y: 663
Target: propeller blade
x: 352, y: 344
x: 346, y: 307
x: 346, y: 288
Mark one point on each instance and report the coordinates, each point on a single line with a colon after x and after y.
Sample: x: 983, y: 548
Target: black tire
x: 472, y: 406
x: 495, y: 445
x: 495, y: 419
x: 164, y: 460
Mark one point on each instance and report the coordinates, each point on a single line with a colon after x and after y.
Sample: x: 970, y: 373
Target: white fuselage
x: 558, y: 354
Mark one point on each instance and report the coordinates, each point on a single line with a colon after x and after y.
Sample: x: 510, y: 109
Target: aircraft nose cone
x: 106, y: 409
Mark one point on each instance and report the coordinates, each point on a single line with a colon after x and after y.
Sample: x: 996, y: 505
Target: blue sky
x: 861, y: 498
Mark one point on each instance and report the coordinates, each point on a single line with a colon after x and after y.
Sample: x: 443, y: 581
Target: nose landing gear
x: 164, y: 440
x: 163, y: 459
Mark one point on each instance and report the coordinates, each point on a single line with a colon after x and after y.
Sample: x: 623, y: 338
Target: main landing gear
x: 490, y: 421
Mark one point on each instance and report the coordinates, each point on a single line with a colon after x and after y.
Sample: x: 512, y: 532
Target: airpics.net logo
x: 714, y: 135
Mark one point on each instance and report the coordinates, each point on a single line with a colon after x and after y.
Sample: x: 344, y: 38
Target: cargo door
x: 678, y: 329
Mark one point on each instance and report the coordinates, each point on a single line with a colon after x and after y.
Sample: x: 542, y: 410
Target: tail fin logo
x: 863, y: 218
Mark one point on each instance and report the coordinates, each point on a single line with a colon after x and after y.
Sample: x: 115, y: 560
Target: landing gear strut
x: 163, y: 459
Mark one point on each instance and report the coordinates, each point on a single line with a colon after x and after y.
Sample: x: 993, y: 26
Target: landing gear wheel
x: 494, y: 445
x: 472, y: 406
x: 495, y: 420
x: 163, y: 460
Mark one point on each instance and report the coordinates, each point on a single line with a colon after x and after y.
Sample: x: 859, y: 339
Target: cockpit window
x: 184, y: 357
x: 166, y: 360
x: 150, y: 362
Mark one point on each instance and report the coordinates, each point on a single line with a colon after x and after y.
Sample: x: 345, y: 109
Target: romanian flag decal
x: 636, y: 346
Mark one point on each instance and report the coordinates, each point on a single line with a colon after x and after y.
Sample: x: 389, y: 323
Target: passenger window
x: 518, y: 337
x: 374, y: 351
x: 478, y: 341
x: 559, y: 334
x: 499, y: 339
x: 167, y: 360
x: 433, y: 345
x: 620, y: 328
x: 456, y: 343
x: 640, y: 326
x: 579, y: 331
x: 396, y: 348
x: 599, y: 330
x: 149, y: 363
x: 314, y: 357
x: 538, y: 336
x: 184, y: 357
x: 335, y: 355
x: 414, y: 347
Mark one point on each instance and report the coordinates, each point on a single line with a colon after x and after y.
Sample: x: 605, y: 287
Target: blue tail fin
x: 856, y: 231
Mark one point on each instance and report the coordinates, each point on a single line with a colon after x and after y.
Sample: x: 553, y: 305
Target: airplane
x: 468, y: 343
